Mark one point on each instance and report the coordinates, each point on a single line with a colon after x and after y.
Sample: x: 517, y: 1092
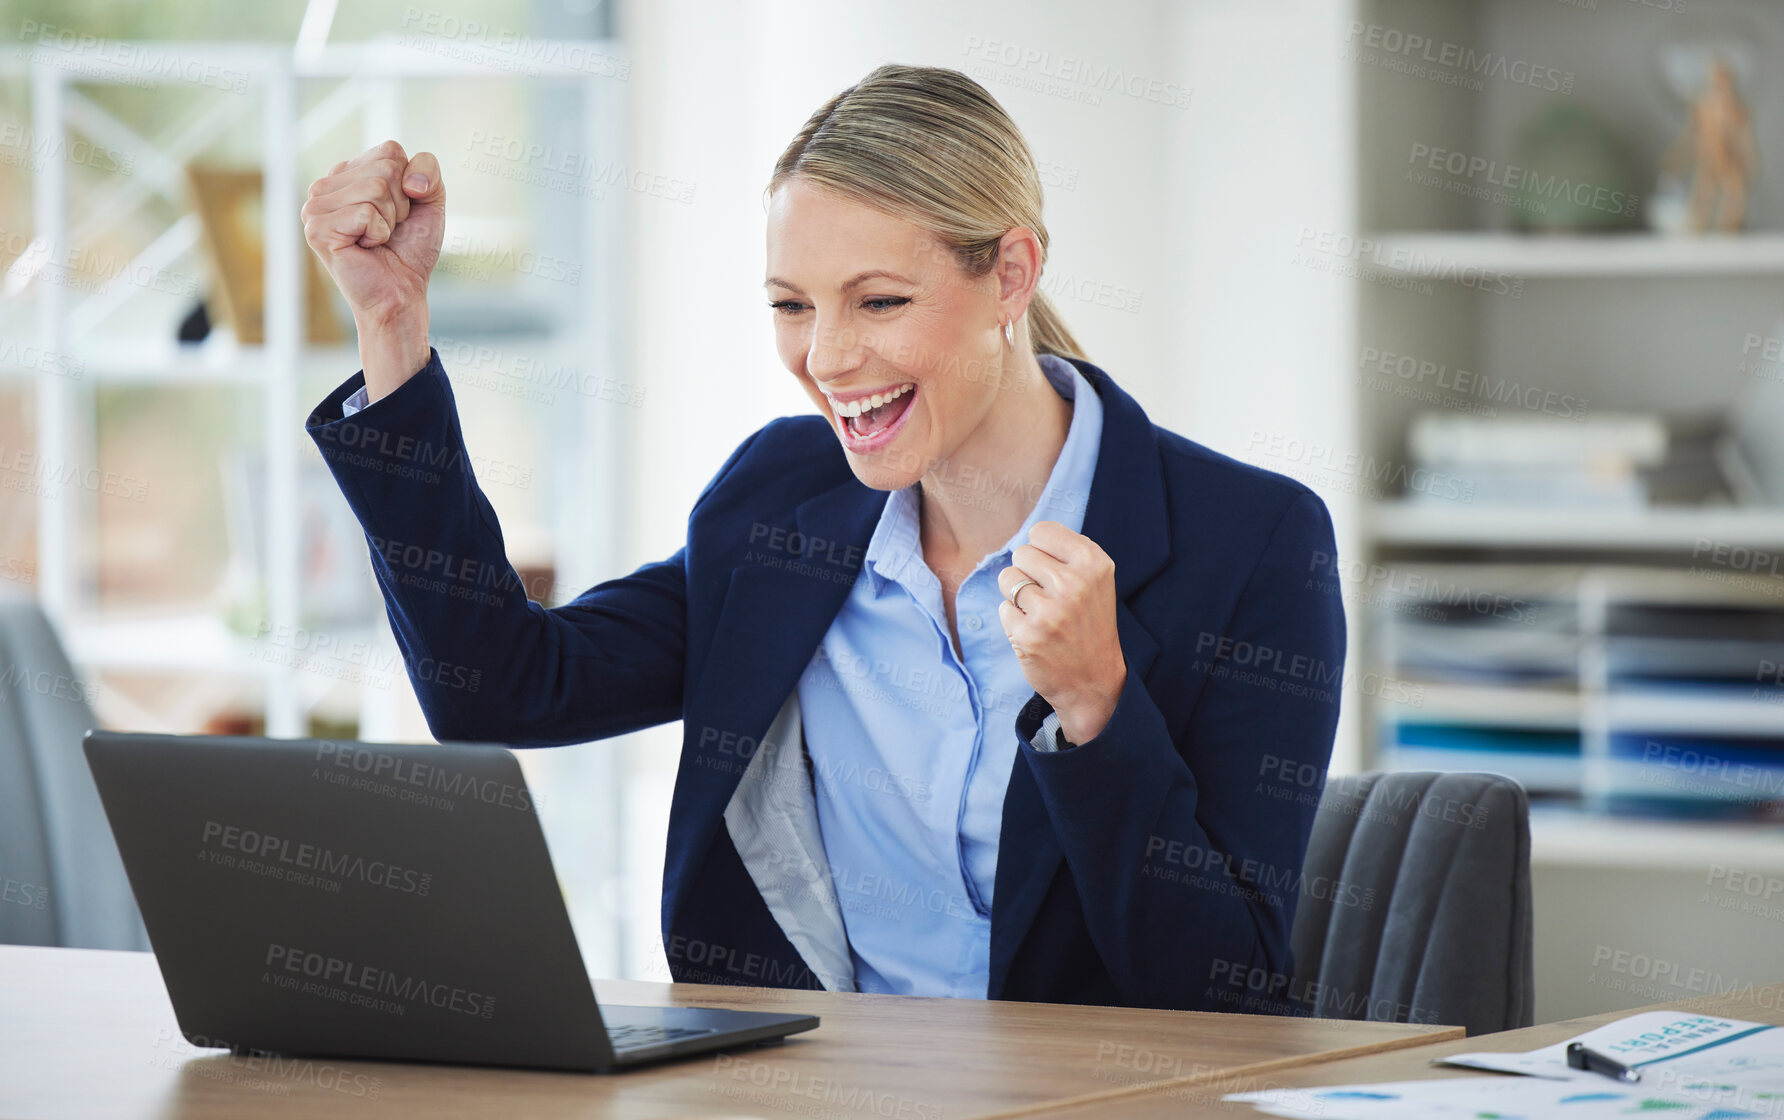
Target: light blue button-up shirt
x: 911, y: 745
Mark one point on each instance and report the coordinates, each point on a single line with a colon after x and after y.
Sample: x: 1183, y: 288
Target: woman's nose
x: 834, y: 350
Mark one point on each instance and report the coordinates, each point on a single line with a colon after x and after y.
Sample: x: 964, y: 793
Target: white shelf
x: 159, y: 362
x: 192, y: 642
x: 1531, y: 707
x: 1603, y: 255
x: 1681, y: 530
x: 161, y: 643
x: 1681, y: 714
x: 1567, y: 838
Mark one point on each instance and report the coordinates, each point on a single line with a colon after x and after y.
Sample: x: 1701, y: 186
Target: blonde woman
x: 987, y: 683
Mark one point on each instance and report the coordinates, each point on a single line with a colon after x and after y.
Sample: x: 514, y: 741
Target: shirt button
x: 972, y: 622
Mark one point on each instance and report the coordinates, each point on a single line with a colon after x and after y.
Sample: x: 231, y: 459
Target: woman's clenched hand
x: 377, y: 222
x: 1062, y: 626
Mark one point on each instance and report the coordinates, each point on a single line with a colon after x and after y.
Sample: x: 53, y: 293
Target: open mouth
x: 868, y: 426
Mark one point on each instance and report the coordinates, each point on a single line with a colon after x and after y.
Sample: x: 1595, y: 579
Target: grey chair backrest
x: 1415, y: 902
x: 61, y: 881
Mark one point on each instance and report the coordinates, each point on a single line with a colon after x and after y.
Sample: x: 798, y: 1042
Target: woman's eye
x: 882, y: 303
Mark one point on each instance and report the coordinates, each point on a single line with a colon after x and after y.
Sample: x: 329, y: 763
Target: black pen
x: 1578, y: 1057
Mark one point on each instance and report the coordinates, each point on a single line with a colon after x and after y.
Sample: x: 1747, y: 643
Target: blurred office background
x: 1442, y: 262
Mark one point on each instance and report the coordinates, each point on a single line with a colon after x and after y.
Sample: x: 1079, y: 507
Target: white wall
x: 1258, y: 344
x: 718, y: 91
x: 1193, y: 209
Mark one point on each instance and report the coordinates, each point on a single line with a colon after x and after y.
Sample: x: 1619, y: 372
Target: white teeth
x: 857, y: 407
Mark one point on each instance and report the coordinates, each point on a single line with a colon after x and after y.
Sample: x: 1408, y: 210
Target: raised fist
x: 376, y: 221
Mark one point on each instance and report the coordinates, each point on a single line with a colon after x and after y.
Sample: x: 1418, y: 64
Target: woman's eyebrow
x: 858, y: 278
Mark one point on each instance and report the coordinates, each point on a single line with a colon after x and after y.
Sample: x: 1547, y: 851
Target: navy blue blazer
x: 1157, y: 865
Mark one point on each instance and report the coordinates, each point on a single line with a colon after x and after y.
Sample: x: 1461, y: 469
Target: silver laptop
x: 370, y: 900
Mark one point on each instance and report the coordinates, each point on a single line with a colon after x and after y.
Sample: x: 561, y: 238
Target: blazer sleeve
x: 487, y: 663
x: 1185, y: 851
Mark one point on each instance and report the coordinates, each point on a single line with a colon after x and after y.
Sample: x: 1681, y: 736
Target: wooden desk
x: 1199, y: 1096
x: 91, y: 1034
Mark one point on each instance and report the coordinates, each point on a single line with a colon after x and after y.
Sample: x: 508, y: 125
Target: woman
x: 983, y: 677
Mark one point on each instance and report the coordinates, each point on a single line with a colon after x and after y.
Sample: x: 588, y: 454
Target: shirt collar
x: 894, y: 552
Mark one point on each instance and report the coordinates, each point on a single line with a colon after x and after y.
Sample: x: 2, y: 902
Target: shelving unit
x: 1553, y: 681
x: 367, y: 80
x: 578, y: 96
x: 1631, y: 322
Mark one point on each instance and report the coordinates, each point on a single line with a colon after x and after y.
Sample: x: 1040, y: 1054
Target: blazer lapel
x: 775, y: 613
x: 1126, y: 515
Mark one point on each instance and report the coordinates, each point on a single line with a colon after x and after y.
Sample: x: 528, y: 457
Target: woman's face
x: 867, y: 305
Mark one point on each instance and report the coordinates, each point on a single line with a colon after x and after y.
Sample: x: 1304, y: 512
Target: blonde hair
x: 930, y: 145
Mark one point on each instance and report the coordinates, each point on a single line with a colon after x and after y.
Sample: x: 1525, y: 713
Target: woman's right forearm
x: 392, y: 350
x: 487, y: 663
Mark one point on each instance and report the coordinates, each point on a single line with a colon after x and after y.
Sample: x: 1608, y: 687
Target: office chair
x: 1415, y: 902
x: 61, y: 881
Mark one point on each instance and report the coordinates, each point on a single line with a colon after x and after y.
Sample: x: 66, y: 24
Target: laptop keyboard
x: 628, y: 1036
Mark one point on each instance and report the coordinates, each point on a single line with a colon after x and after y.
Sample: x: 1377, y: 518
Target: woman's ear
x: 1018, y: 270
